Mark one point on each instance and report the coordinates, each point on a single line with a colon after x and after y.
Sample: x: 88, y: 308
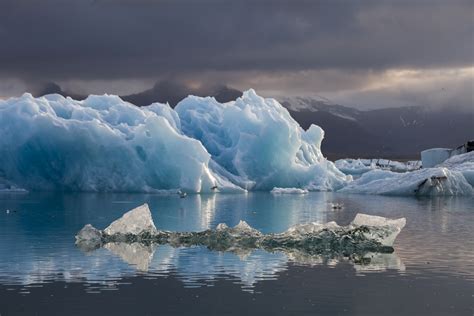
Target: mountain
x: 392, y: 132
x: 173, y: 92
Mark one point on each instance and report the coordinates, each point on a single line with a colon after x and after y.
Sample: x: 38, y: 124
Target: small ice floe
x: 277, y: 190
x: 366, y: 233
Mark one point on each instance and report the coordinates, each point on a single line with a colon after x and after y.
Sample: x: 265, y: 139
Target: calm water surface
x: 43, y: 272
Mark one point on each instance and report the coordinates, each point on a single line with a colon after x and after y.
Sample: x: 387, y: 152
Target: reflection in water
x: 196, y: 264
x: 136, y: 254
x: 37, y: 237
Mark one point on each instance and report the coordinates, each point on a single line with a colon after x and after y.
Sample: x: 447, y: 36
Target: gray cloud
x: 236, y: 41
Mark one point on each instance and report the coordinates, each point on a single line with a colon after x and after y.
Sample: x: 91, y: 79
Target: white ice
x: 463, y: 163
x: 359, y: 166
x: 392, y: 227
x: 288, y: 191
x: 431, y: 181
x: 106, y: 144
x: 135, y: 221
x: 99, y: 144
x: 257, y: 142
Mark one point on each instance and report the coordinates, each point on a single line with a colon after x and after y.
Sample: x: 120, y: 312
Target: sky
x: 366, y: 54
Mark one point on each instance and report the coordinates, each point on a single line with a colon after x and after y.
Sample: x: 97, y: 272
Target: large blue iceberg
x: 106, y: 144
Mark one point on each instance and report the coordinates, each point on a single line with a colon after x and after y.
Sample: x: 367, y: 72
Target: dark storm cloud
x: 86, y: 39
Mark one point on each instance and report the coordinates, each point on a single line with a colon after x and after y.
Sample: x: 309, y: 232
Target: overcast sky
x: 361, y: 53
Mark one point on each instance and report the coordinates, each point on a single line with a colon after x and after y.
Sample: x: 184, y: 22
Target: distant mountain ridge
x: 392, y: 132
x: 399, y: 133
x: 163, y: 92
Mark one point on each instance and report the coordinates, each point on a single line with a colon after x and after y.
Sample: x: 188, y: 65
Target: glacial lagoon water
x: 431, y: 271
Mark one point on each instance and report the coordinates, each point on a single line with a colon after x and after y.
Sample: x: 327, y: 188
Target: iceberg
x: 357, y: 167
x: 366, y: 233
x: 105, y: 144
x: 428, y: 182
x: 136, y: 221
x: 257, y: 141
x: 99, y: 144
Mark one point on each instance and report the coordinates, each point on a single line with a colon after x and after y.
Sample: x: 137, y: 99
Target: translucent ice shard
x: 383, y: 230
x: 100, y: 144
x: 89, y: 238
x: 134, y: 222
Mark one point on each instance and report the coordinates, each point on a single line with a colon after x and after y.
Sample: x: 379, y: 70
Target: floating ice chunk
x: 360, y: 166
x: 134, y: 222
x: 365, y: 233
x: 89, y: 237
x: 390, y: 227
x: 288, y: 191
x: 431, y: 181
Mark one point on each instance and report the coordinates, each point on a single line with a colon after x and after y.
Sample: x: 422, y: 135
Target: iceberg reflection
x: 200, y: 266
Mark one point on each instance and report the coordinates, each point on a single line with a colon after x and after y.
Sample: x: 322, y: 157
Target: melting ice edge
x: 366, y: 233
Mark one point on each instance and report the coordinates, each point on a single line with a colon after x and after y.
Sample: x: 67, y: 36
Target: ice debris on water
x: 365, y: 233
x: 136, y: 221
x: 288, y: 191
